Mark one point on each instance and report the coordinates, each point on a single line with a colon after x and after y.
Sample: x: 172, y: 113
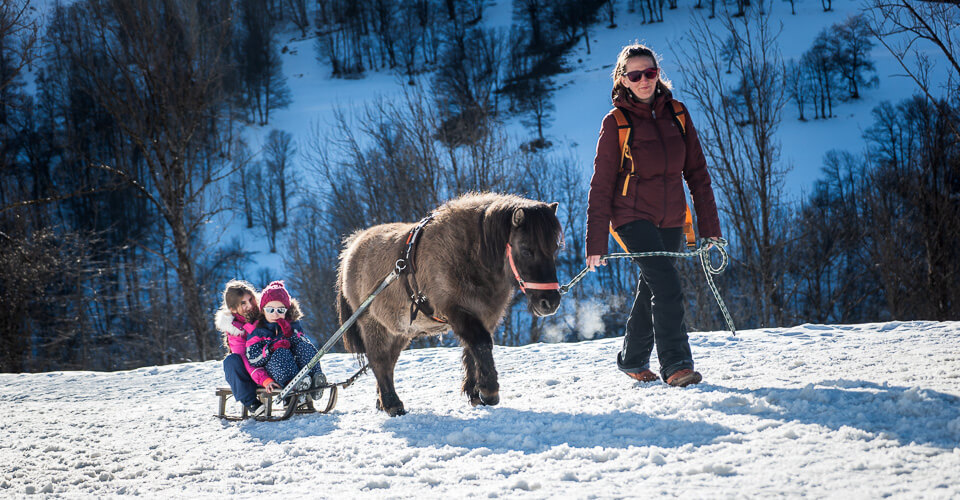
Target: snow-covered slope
x: 859, y: 411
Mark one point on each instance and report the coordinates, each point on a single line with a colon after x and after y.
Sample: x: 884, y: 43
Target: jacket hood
x: 224, y: 323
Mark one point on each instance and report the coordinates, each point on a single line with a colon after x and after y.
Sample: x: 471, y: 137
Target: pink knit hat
x: 274, y: 291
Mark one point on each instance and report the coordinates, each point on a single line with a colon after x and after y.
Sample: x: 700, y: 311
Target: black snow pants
x: 657, y: 314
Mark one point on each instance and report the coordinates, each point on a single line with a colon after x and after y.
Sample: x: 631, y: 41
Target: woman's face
x: 247, y: 307
x: 644, y: 88
x: 271, y: 310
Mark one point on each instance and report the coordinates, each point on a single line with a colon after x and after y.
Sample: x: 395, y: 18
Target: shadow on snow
x: 506, y: 429
x: 905, y: 414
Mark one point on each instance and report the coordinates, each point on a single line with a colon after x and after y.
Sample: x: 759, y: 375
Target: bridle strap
x: 524, y: 284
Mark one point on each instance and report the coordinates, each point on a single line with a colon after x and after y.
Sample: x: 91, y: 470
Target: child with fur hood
x: 238, y: 310
x: 277, y: 343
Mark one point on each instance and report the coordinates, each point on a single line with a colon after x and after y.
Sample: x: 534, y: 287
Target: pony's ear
x: 517, y: 217
x: 553, y: 206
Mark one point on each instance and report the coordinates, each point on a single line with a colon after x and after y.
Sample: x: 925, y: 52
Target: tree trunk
x: 191, y: 293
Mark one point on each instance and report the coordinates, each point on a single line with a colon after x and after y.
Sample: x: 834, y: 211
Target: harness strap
x: 418, y: 301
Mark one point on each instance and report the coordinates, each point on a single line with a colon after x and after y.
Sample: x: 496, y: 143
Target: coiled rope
x: 705, y: 262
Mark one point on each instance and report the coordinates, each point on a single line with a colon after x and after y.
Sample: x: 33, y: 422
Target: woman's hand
x: 593, y: 261
x: 708, y: 243
x: 273, y: 387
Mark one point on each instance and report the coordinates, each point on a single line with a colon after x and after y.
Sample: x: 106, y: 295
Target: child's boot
x: 319, y: 382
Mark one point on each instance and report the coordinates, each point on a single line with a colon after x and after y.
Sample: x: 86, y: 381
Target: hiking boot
x: 684, y: 377
x: 644, y: 376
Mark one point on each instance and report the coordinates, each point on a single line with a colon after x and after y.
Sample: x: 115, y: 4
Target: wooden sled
x: 302, y: 403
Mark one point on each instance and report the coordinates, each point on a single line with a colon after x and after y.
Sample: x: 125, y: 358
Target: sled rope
x: 705, y: 263
x: 290, y: 387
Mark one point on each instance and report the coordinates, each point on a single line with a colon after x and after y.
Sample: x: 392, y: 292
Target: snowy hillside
x: 859, y: 411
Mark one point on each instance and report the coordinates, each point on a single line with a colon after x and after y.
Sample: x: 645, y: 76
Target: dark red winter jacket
x: 664, y: 158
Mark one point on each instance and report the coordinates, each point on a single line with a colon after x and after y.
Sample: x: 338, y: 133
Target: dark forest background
x: 129, y: 140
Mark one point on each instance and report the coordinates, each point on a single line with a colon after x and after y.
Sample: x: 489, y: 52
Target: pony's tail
x: 352, y: 339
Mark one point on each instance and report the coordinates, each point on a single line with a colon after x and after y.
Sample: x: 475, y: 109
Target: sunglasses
x: 636, y: 76
x: 278, y: 310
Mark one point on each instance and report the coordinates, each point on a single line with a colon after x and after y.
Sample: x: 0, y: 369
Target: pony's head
x: 533, y: 235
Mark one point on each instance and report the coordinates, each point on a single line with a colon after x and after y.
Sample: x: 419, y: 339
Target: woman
x: 238, y: 310
x: 643, y: 200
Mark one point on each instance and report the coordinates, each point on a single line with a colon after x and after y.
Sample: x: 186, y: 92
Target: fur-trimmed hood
x: 224, y: 322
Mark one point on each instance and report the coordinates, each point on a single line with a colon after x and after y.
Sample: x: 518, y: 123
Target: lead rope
x: 705, y: 263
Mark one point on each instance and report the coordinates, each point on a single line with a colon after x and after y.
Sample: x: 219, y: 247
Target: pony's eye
x: 526, y: 252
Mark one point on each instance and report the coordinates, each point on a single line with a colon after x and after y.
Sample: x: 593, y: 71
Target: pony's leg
x: 480, y: 379
x: 470, y: 374
x: 383, y: 350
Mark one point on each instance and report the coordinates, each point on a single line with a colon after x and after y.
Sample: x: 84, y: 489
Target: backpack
x: 625, y: 130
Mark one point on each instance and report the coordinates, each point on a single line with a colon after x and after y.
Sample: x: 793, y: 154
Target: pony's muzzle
x: 544, y: 303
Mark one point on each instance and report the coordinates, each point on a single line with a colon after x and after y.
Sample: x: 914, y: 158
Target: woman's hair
x: 635, y: 50
x: 234, y: 292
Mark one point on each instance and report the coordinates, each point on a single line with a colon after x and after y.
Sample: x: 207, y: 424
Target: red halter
x: 523, y: 284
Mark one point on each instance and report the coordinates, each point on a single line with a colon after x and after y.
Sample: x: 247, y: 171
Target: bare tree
x: 384, y: 15
x: 793, y: 7
x: 409, y: 41
x: 830, y: 265
x: 18, y: 35
x: 820, y: 63
x: 853, y: 57
x: 278, y: 154
x: 244, y: 165
x: 913, y: 195
x: 267, y: 202
x: 738, y: 132
x: 532, y: 14
x: 168, y: 62
x: 908, y: 28
x: 536, y: 105
x: 610, y: 9
x: 263, y: 84
x: 18, y: 40
x: 793, y: 79
x: 41, y: 268
x: 297, y: 13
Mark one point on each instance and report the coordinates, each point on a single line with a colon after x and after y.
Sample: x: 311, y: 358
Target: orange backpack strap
x: 679, y: 115
x: 688, y: 229
x: 625, y: 133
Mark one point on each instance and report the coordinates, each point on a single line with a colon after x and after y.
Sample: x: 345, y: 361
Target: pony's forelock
x: 496, y: 223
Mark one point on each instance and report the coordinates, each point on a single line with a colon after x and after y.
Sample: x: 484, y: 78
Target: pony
x: 466, y: 264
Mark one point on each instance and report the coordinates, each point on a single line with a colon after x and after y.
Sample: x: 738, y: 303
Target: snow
x: 855, y: 411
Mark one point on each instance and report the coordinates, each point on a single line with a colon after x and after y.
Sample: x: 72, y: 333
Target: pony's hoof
x: 393, y: 411
x: 475, y: 399
x: 490, y: 399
